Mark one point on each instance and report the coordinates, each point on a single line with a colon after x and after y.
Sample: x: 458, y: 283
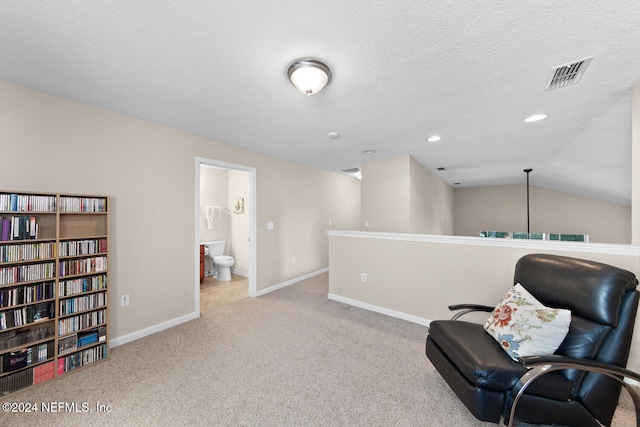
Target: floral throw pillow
x: 524, y: 327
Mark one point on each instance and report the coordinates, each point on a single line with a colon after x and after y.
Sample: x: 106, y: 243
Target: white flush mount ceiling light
x: 535, y: 118
x: 434, y: 138
x: 309, y: 75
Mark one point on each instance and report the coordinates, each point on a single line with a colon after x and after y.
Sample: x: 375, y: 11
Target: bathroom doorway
x: 230, y: 216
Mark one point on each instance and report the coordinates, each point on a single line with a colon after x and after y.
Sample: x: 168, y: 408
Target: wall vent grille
x: 567, y: 74
x: 352, y: 170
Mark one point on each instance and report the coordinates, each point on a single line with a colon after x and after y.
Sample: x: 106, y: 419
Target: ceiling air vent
x: 567, y: 74
x: 353, y: 172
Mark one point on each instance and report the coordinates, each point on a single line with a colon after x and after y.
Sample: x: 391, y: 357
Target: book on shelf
x: 67, y: 344
x: 17, y: 381
x: 19, y: 227
x: 87, y: 338
x: 26, y: 356
x: 27, y: 315
x: 16, y: 359
x: 33, y: 228
x: 5, y: 233
x: 42, y: 311
x: 13, y: 202
x: 12, y: 339
x: 43, y: 372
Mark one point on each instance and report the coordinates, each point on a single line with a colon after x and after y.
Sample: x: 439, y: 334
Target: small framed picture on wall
x: 238, y: 205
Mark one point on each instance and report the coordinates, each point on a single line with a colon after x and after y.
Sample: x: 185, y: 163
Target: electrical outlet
x: 293, y: 260
x: 363, y: 277
x: 366, y: 222
x: 124, y: 300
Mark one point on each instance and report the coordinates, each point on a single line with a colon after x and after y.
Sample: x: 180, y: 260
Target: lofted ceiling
x: 402, y: 71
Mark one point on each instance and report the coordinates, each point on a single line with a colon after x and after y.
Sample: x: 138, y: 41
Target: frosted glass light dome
x: 309, y: 76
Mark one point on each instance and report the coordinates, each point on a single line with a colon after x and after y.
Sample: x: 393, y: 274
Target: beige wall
x: 400, y: 195
x: 239, y: 244
x: 431, y: 202
x: 417, y: 277
x: 385, y: 195
x: 214, y: 191
x: 504, y: 208
x: 52, y: 144
x: 635, y: 163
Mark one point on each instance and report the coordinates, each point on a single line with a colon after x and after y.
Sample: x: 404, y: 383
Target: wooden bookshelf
x: 53, y: 285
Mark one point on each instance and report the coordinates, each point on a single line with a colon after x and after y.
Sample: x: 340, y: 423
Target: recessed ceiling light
x: 369, y: 151
x: 333, y: 135
x: 434, y: 138
x: 536, y: 118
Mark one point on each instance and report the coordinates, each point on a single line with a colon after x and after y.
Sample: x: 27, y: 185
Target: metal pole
x: 528, y: 227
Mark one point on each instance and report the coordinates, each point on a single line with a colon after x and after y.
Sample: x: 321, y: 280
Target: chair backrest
x: 603, y: 303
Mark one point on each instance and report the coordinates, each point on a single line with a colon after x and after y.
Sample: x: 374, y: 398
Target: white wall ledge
x: 598, y: 248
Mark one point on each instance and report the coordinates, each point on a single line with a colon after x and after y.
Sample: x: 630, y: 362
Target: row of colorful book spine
x: 82, y: 247
x: 26, y: 294
x: 82, y: 266
x: 83, y: 321
x: 27, y: 356
x: 22, y: 379
x: 82, y: 358
x: 67, y: 344
x: 82, y: 303
x: 26, y: 315
x: 27, y: 252
x: 27, y: 203
x: 15, y: 339
x: 83, y: 204
x: 27, y: 273
x: 81, y: 285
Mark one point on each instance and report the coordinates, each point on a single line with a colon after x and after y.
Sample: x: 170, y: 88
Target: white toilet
x: 221, y: 263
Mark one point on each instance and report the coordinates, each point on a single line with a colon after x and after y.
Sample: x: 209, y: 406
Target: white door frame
x: 201, y: 161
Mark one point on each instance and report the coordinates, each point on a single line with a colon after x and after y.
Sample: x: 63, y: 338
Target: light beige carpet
x: 289, y: 358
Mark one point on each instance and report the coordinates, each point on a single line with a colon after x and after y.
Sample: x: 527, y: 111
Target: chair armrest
x: 581, y: 364
x: 468, y: 308
x: 541, y: 365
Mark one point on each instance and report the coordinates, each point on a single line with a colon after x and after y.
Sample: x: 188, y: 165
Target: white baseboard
x: 240, y: 273
x: 174, y: 322
x: 409, y: 318
x: 632, y: 382
x: 290, y: 282
x: 397, y: 314
x: 151, y: 330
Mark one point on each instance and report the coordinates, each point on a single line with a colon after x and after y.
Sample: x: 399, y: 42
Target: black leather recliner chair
x: 580, y: 384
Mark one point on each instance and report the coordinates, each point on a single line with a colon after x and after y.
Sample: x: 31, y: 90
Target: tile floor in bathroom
x: 214, y: 293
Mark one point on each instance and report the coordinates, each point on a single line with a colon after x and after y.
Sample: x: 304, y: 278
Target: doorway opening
x: 212, y: 216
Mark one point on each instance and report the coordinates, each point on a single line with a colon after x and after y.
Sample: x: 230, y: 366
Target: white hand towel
x: 214, y: 217
x: 217, y: 217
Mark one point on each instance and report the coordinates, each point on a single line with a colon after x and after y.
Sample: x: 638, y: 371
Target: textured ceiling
x: 402, y: 71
